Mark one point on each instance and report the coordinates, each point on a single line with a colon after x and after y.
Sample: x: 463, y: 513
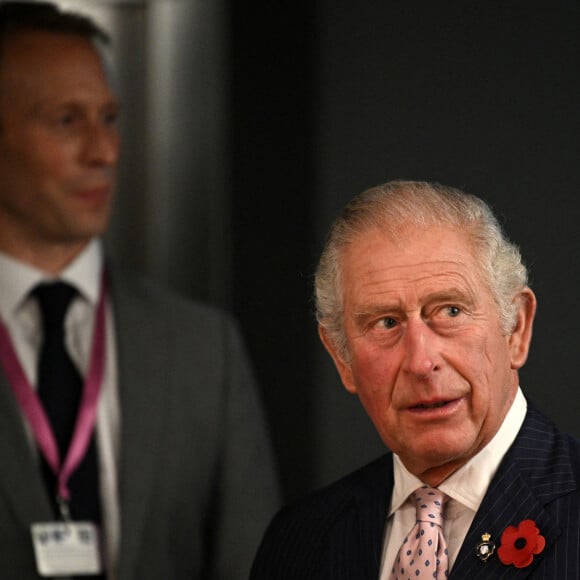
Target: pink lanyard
x: 34, y: 412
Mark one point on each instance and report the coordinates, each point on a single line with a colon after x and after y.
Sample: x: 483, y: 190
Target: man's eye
x: 453, y: 311
x: 389, y: 322
x: 111, y: 119
x: 65, y: 120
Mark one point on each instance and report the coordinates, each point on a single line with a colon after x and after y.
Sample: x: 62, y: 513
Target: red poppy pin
x: 520, y: 544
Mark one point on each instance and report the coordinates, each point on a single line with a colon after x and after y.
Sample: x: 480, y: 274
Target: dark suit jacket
x: 196, y: 475
x: 337, y: 533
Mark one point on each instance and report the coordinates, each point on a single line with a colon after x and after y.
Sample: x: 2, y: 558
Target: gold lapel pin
x: 485, y: 548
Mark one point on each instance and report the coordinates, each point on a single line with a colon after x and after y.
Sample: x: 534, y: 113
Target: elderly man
x: 424, y: 307
x: 132, y: 442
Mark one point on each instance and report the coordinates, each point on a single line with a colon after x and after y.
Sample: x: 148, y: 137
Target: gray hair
x: 395, y: 204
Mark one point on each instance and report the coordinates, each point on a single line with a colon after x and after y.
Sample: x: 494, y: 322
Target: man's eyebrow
x: 41, y: 106
x: 49, y: 105
x: 455, y: 295
x: 364, y: 313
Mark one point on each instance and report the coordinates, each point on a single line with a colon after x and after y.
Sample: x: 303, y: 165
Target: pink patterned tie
x: 423, y: 553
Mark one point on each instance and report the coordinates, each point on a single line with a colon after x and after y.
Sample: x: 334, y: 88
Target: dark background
x: 329, y: 98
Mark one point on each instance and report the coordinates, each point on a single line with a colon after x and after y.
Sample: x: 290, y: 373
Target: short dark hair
x: 18, y: 17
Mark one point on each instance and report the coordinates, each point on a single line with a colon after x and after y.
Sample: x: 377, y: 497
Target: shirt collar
x: 469, y: 483
x: 17, y: 278
x: 84, y: 273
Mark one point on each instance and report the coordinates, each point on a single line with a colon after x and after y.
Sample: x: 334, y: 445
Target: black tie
x: 60, y: 388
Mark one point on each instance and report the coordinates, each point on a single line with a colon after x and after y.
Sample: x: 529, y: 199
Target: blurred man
x: 133, y: 445
x: 424, y: 307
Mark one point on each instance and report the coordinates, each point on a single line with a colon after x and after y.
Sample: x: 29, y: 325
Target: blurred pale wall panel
x: 172, y: 219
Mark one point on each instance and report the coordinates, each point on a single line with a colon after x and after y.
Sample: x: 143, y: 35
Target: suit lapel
x: 142, y: 366
x: 509, y: 501
x: 371, y: 505
x: 524, y: 484
x: 20, y: 480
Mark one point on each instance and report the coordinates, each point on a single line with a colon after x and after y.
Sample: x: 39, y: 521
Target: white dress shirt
x: 466, y: 489
x: 21, y: 316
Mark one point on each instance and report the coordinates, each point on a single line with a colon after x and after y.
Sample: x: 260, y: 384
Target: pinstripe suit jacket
x: 337, y: 533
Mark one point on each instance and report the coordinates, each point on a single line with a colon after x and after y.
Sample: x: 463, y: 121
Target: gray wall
x: 173, y: 212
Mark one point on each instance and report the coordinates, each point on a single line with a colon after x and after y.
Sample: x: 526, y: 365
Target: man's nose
x: 102, y: 145
x: 421, y: 350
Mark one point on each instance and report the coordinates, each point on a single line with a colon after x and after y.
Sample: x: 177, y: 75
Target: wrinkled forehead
x: 400, y: 233
x: 428, y: 246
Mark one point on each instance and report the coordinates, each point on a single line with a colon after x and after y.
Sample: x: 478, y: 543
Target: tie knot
x: 429, y: 503
x: 54, y: 300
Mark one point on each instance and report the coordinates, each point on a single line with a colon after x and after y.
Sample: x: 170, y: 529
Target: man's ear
x: 521, y: 336
x: 342, y: 366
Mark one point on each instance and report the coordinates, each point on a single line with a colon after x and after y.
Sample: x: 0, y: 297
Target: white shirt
x: 466, y: 489
x: 21, y: 316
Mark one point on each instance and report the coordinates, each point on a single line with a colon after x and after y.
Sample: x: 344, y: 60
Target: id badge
x: 63, y: 548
